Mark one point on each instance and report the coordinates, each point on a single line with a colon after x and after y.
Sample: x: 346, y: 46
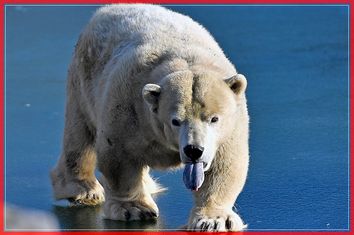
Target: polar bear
x: 150, y: 88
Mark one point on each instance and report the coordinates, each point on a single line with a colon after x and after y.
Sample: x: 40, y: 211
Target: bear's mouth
x: 193, y: 175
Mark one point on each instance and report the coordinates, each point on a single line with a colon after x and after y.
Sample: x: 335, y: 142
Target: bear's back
x: 116, y: 29
x: 145, y: 23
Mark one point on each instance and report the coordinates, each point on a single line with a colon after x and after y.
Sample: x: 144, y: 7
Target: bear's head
x: 195, y: 114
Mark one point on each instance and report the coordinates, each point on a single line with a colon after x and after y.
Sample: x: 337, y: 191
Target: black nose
x: 194, y: 152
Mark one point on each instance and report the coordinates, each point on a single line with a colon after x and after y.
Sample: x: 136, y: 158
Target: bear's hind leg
x: 73, y: 177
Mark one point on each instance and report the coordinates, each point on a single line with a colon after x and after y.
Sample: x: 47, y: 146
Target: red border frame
x: 51, y: 2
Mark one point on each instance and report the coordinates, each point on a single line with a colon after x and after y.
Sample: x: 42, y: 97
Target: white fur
x: 113, y: 114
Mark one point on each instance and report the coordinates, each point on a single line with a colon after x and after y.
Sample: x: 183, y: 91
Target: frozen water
x: 296, y: 62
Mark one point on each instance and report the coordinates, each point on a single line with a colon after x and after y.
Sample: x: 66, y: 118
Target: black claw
x: 127, y: 215
x: 206, y: 228
x: 154, y: 214
x: 231, y: 224
x: 228, y: 223
x: 216, y: 225
x: 202, y: 226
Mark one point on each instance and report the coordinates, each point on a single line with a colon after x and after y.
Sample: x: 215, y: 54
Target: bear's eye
x: 175, y: 122
x: 214, y: 119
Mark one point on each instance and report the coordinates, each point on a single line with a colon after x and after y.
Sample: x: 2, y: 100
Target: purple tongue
x: 193, y: 175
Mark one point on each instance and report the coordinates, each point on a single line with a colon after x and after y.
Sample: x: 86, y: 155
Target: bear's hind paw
x: 80, y: 192
x: 90, y: 198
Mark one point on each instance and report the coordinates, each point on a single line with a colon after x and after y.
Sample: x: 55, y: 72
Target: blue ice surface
x: 296, y: 62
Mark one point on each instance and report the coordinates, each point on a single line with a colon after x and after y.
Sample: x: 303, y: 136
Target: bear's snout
x: 194, y: 152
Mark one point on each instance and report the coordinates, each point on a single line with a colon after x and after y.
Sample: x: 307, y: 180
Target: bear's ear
x: 151, y: 93
x: 237, y: 83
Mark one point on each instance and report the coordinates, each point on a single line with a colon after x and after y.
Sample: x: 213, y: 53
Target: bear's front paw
x: 129, y: 210
x: 216, y: 221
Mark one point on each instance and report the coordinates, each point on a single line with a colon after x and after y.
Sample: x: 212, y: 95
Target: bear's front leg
x: 127, y: 183
x: 214, y: 201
